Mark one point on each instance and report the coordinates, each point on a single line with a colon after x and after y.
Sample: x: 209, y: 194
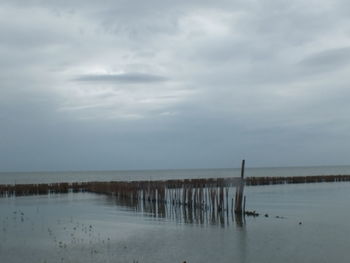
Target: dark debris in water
x: 251, y: 213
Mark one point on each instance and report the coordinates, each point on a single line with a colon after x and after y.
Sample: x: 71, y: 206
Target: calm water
x: 93, y: 228
x: 85, y: 227
x: 52, y: 177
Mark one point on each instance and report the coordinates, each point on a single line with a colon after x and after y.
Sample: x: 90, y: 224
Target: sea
x: 137, y: 175
x: 297, y: 222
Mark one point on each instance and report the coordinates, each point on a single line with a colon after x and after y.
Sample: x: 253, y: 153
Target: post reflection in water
x: 178, y: 213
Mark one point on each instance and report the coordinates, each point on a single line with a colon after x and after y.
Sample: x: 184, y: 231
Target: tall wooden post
x: 239, y: 192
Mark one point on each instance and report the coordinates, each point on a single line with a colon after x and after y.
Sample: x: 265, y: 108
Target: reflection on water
x: 178, y: 213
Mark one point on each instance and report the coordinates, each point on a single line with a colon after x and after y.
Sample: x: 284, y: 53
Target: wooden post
x: 244, y: 205
x: 239, y: 192
x: 232, y: 206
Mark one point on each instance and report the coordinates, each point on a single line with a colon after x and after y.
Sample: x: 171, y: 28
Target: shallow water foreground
x: 85, y: 227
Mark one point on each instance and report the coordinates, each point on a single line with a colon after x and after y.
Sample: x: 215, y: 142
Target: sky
x: 158, y: 84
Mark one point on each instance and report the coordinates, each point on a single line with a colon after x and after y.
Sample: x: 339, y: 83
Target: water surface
x: 93, y: 228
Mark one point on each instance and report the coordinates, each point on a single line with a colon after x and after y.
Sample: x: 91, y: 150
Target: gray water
x: 92, y: 228
x: 84, y: 176
x: 85, y: 227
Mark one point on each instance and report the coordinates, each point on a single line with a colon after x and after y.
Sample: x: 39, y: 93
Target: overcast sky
x: 161, y: 84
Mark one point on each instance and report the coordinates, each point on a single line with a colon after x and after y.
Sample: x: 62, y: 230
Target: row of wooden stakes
x: 153, y: 190
x: 214, y: 195
x: 296, y: 179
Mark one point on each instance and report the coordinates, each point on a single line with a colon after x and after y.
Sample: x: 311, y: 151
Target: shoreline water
x: 89, y: 227
x: 86, y: 227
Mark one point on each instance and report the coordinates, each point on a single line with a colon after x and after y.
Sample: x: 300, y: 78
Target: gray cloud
x: 327, y: 60
x: 122, y: 78
x: 212, y: 82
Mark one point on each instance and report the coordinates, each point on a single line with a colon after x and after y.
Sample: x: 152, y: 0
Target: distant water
x: 84, y: 176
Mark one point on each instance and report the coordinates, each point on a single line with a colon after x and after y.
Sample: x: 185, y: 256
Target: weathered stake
x: 244, y: 199
x: 239, y: 192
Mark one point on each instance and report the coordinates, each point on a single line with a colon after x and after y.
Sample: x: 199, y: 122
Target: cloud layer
x: 164, y: 84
